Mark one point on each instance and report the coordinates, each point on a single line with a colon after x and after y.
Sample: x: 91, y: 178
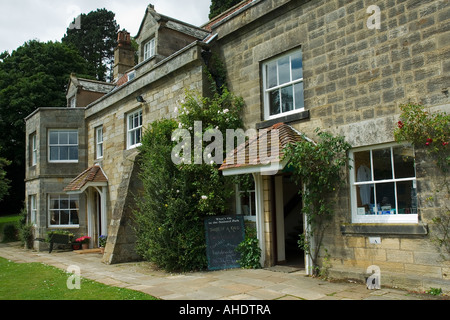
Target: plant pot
x: 85, y: 246
x: 76, y: 246
x: 102, y: 250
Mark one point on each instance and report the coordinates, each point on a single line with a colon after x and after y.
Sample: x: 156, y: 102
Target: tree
x: 219, y: 6
x: 4, y: 182
x: 35, y: 75
x: 96, y: 40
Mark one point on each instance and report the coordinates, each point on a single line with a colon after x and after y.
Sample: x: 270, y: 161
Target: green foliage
x: 250, y: 250
x: 25, y: 230
x: 219, y: 6
x: 177, y: 198
x: 96, y: 41
x: 319, y: 168
x: 4, y: 182
x: 430, y: 131
x: 35, y: 75
x: 427, y: 131
x: 434, y: 291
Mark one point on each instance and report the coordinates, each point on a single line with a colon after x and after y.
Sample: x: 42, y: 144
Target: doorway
x: 289, y: 222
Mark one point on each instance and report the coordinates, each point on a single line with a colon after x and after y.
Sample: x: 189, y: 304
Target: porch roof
x: 252, y: 162
x: 93, y: 176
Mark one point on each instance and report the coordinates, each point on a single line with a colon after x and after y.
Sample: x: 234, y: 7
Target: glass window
x: 134, y: 129
x: 63, y: 146
x: 34, y: 148
x: 149, y: 49
x: 246, y: 198
x: 99, y: 142
x: 63, y: 210
x: 384, y: 185
x: 283, y: 85
x: 33, y: 209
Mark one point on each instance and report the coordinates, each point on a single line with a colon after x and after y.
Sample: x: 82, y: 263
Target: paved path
x: 235, y: 284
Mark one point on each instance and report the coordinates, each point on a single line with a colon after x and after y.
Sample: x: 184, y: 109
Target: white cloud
x: 47, y: 20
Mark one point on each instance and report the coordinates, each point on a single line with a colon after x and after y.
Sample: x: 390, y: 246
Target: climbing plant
x: 429, y: 133
x: 319, y: 168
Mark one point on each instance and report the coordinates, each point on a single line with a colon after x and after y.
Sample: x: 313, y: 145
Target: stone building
x: 299, y: 65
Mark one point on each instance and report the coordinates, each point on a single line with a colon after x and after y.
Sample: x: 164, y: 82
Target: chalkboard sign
x: 223, y: 235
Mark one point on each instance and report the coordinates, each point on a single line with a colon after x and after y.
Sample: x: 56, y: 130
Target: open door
x: 289, y: 222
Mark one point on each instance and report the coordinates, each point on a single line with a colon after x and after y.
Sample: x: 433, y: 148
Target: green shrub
x: 249, y: 250
x: 10, y: 232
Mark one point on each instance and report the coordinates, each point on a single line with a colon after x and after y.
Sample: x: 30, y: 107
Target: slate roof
x: 93, y: 174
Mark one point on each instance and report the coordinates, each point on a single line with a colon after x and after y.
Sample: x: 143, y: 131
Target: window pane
x: 382, y: 168
x: 404, y: 162
x: 54, y: 218
x: 73, y: 138
x: 287, y: 99
x: 284, y: 70
x: 365, y: 199
x: 54, y: 203
x: 132, y: 138
x: 406, y: 197
x: 73, y: 204
x: 63, y: 138
x: 138, y: 136
x: 54, y: 153
x: 362, y: 165
x: 272, y: 78
x: 74, y: 217
x: 297, y: 66
x: 73, y: 153
x: 274, y: 102
x: 64, y: 217
x: 385, y: 194
x: 63, y: 153
x: 53, y: 137
x: 299, y: 97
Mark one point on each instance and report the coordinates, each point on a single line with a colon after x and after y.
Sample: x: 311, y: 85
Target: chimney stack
x: 123, y: 55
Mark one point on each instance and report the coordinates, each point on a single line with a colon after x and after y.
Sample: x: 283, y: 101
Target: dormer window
x: 149, y: 49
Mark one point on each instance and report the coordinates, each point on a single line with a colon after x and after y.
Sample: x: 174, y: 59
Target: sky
x: 47, y: 20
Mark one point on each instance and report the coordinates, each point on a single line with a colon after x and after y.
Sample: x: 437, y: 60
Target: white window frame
x: 59, y: 131
x: 149, y: 49
x: 33, y: 209
x: 411, y: 218
x: 252, y: 195
x: 33, y: 149
x: 99, y: 142
x: 279, y: 86
x: 63, y: 197
x: 133, y: 130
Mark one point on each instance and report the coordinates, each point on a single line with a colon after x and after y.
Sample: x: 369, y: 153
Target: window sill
x: 417, y: 229
x: 303, y: 115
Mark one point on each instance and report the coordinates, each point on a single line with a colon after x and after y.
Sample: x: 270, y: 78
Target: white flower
x: 204, y: 197
x: 209, y: 155
x: 226, y: 111
x: 176, y: 110
x: 180, y: 125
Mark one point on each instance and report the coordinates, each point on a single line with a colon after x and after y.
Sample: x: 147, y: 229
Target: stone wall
x: 355, y: 80
x: 163, y: 89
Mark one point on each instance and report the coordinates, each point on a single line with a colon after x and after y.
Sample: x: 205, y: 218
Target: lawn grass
x: 36, y: 281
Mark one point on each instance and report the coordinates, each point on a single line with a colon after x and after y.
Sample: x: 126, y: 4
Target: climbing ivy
x: 318, y: 167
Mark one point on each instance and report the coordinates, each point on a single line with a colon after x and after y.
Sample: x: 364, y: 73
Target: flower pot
x: 85, y: 246
x: 76, y: 246
x: 102, y: 250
